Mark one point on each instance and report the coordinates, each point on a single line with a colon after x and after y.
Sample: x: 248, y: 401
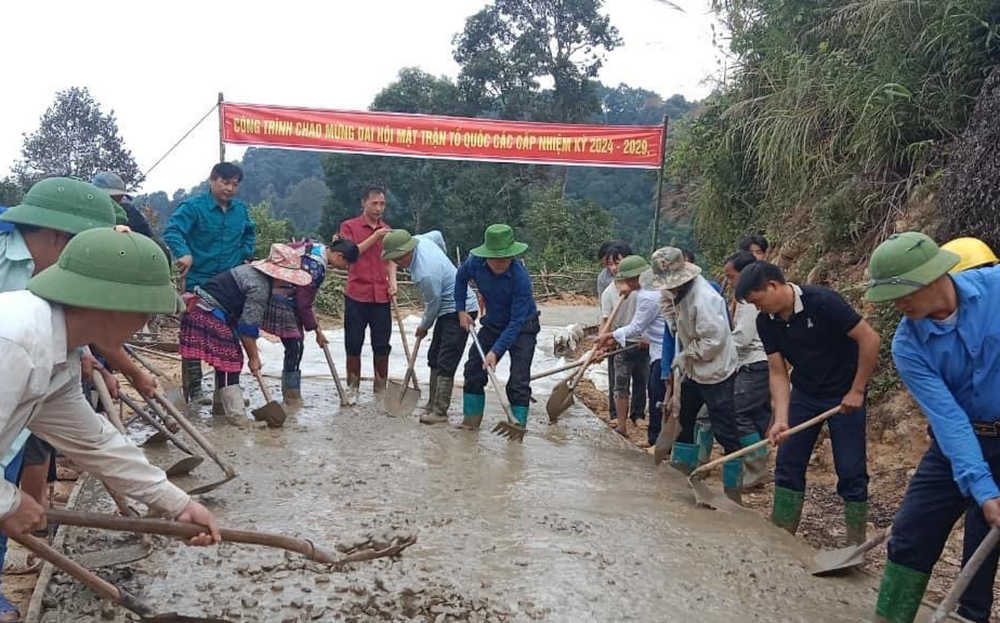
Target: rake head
x: 509, y: 430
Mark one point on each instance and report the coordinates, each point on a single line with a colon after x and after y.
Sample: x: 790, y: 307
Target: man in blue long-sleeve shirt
x: 510, y: 323
x: 434, y: 275
x: 207, y: 235
x: 947, y: 351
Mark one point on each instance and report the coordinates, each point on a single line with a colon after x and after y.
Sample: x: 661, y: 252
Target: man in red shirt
x: 371, y: 283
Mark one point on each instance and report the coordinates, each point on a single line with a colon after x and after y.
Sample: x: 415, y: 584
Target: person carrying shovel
x: 647, y: 323
x: 104, y: 287
x: 947, y: 352
x: 833, y: 352
x: 510, y: 324
x: 706, y: 360
x: 434, y: 276
x: 224, y: 317
x: 290, y: 310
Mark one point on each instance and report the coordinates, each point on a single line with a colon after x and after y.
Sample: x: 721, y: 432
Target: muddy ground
x: 573, y: 524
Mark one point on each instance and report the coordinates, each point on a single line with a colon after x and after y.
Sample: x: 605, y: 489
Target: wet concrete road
x: 571, y: 525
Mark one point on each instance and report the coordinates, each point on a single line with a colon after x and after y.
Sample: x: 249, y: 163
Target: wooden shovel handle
x: 589, y: 358
x: 333, y: 372
x: 764, y: 442
x: 410, y: 372
x: 968, y: 571
x: 142, y: 361
x: 102, y: 587
x: 493, y: 377
x: 160, y: 428
x: 187, y: 530
x: 580, y: 362
x: 402, y: 334
x: 263, y: 386
x: 194, y: 433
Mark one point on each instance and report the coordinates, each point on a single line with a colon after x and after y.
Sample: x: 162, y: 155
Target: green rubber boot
x: 520, y: 413
x: 900, y: 593
x: 684, y: 457
x: 291, y: 386
x: 856, y: 519
x: 473, y: 406
x: 732, y: 480
x: 787, y: 510
x: 703, y: 437
x: 433, y: 390
x: 755, y: 462
x: 441, y: 390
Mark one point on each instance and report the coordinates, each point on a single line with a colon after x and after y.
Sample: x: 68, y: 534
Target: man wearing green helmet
x: 104, y: 287
x: 947, y: 352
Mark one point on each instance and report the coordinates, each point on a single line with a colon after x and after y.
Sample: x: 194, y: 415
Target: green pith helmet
x: 631, y: 266
x: 63, y: 204
x: 906, y: 263
x: 109, y: 270
x: 397, y: 243
x: 498, y: 242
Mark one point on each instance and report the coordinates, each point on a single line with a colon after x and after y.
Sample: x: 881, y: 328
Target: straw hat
x: 284, y: 263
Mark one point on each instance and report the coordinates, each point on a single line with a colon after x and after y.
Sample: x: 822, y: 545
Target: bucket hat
x: 906, y: 263
x: 397, y: 243
x: 283, y: 263
x: 631, y: 266
x: 498, y: 241
x: 111, y: 183
x: 671, y: 270
x: 109, y: 270
x: 63, y: 204
x: 973, y: 253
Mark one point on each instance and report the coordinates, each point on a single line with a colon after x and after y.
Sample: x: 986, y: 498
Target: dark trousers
x: 360, y: 316
x: 718, y: 398
x: 293, y: 353
x: 521, y: 352
x: 447, y: 344
x: 847, y: 435
x: 930, y: 508
x: 612, y: 409
x: 752, y: 396
x: 657, y: 389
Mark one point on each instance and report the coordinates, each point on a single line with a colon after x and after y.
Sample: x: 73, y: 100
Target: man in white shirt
x: 647, y: 323
x: 752, y: 394
x: 706, y: 358
x: 104, y: 287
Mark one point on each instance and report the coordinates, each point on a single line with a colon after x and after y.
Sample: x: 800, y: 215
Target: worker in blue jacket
x: 947, y: 351
x: 509, y: 322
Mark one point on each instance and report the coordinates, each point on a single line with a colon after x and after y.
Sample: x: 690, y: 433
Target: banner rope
x: 181, y: 140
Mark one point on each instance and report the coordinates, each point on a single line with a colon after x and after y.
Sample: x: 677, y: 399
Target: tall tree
x: 510, y: 46
x: 75, y: 138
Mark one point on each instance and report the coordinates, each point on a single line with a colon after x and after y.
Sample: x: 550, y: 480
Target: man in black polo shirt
x: 833, y: 352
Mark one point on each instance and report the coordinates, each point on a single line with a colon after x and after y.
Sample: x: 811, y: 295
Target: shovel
x: 400, y: 400
x: 580, y: 362
x: 336, y: 377
x: 562, y: 395
x: 204, y: 443
x: 369, y: 549
x: 100, y: 586
x: 160, y: 428
x: 271, y: 412
x: 826, y: 563
x: 158, y: 437
x: 508, y: 428
x: 402, y: 337
x: 671, y: 421
x: 171, y: 389
x: 703, y: 496
x: 968, y: 571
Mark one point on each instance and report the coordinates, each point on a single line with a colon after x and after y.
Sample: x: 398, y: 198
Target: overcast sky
x: 160, y: 66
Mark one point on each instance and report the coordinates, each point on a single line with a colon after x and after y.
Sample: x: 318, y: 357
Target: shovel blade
x: 154, y: 439
x: 706, y: 498
x: 560, y: 400
x: 400, y: 400
x: 272, y: 413
x: 665, y: 441
x: 827, y: 563
x: 184, y: 466
x: 210, y: 486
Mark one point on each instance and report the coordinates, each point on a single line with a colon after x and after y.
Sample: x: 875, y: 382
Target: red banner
x: 455, y: 138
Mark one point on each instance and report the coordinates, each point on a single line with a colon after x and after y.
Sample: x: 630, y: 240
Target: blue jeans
x: 930, y: 508
x: 11, y: 474
x: 847, y: 435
